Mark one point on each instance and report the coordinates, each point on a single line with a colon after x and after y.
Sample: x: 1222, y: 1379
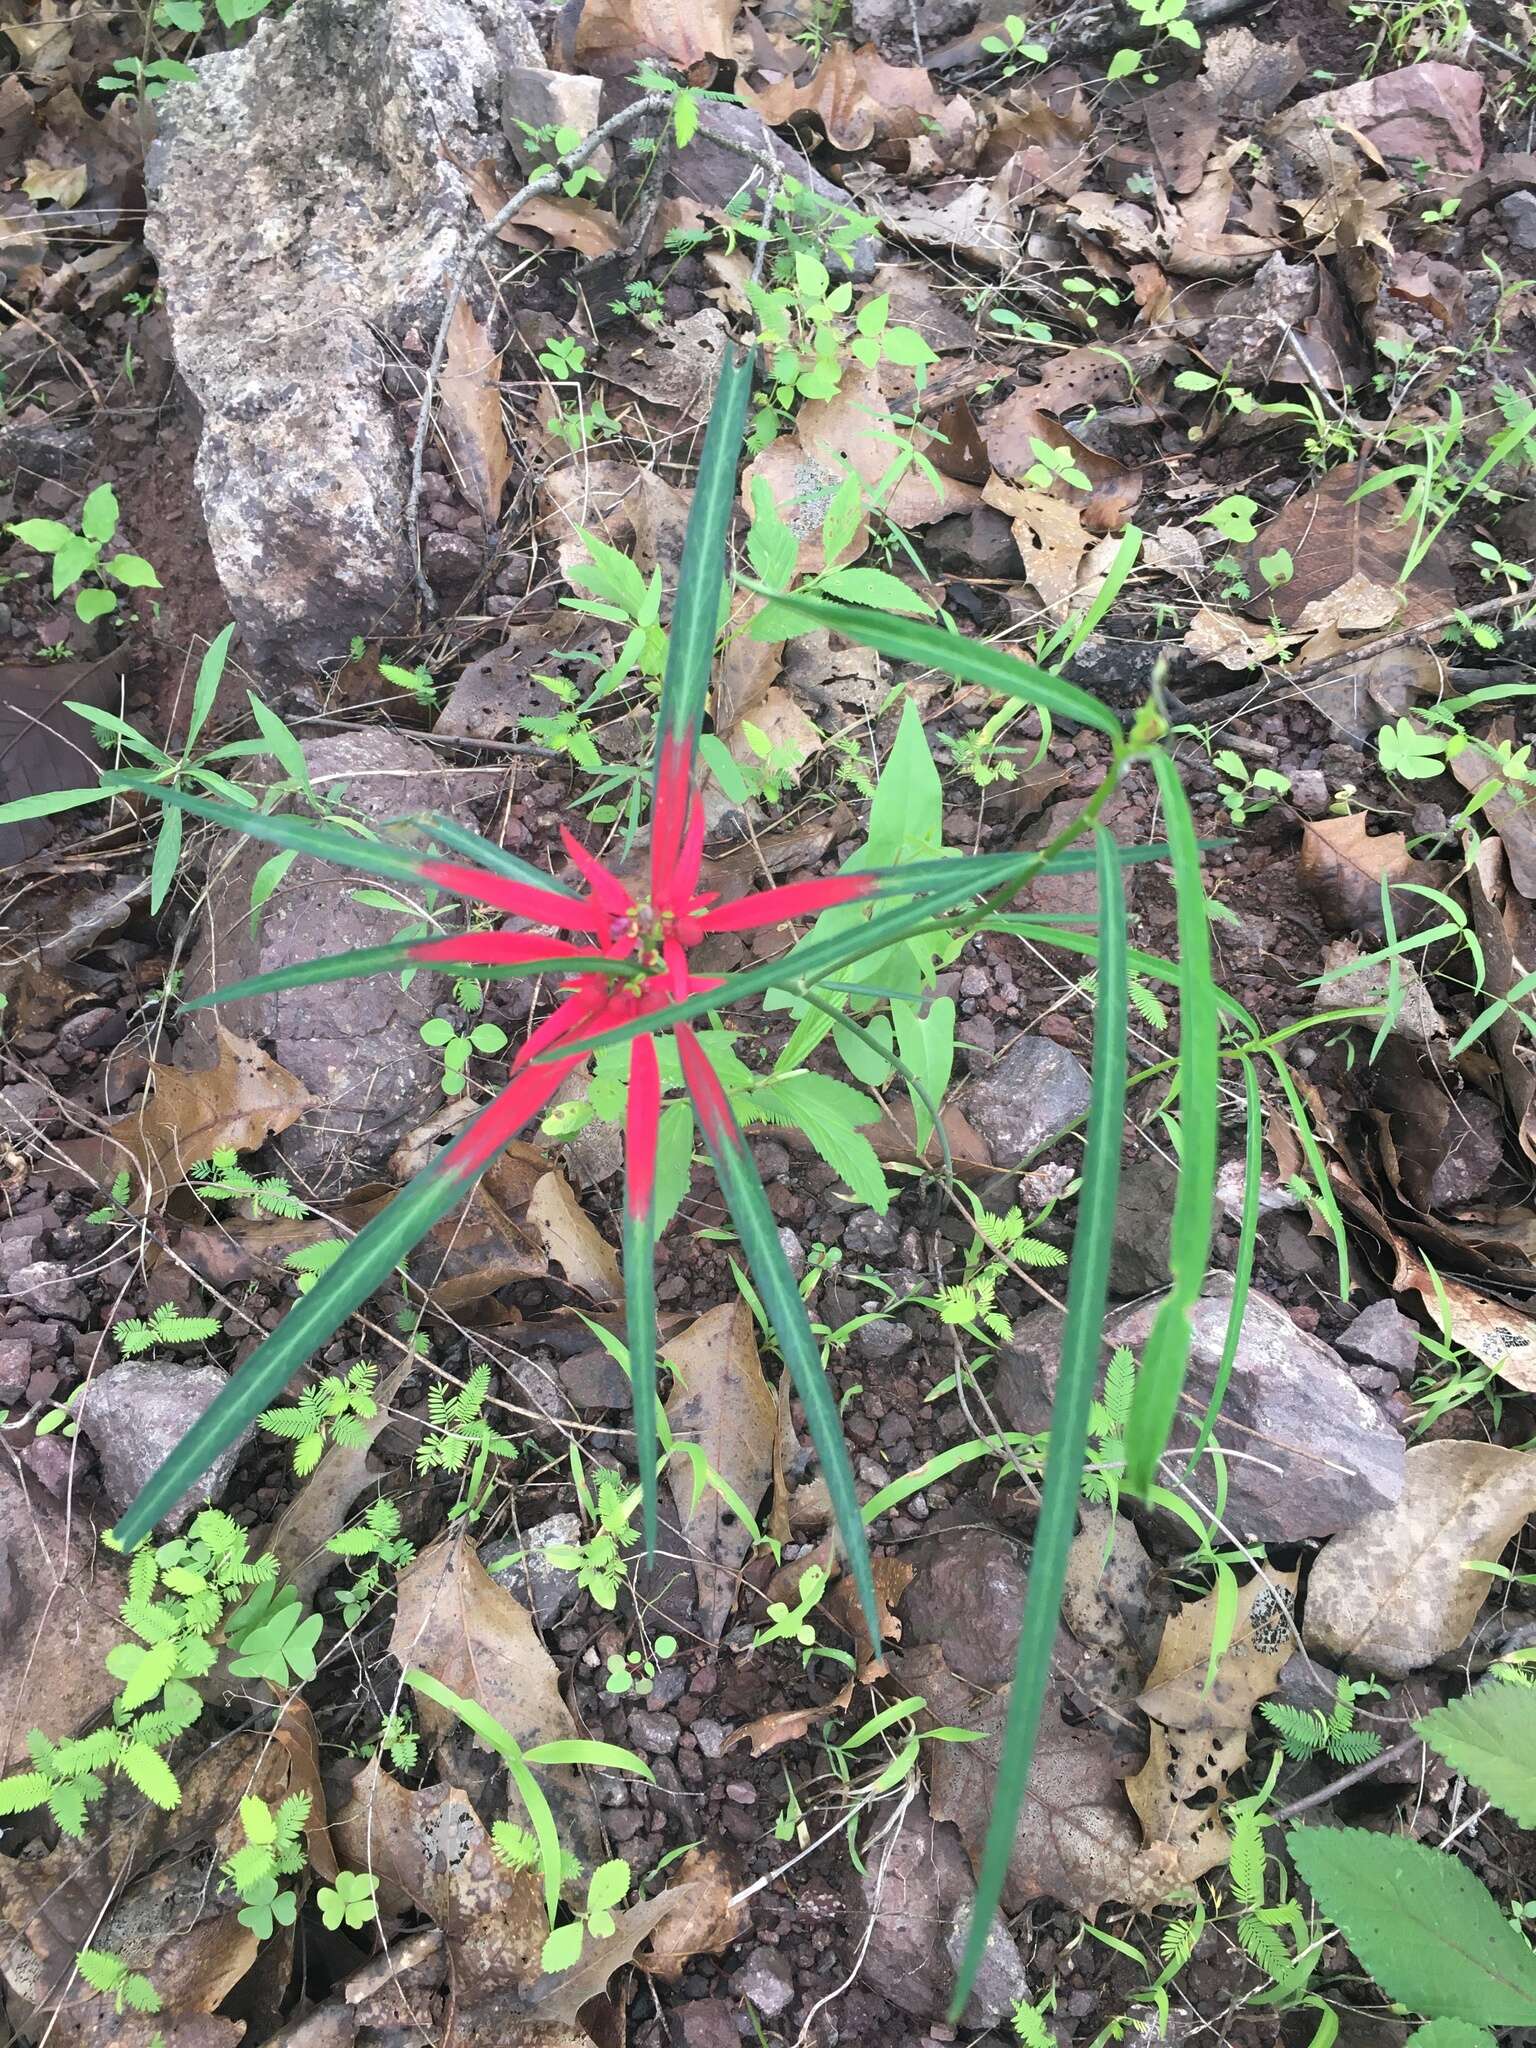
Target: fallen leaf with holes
x: 60, y: 1605
x: 1339, y: 546
x: 1051, y: 538
x: 1077, y: 1839
x: 706, y: 1925
x: 432, y: 1854
x: 675, y: 368
x: 856, y: 96
x: 721, y: 1402
x: 1108, y: 1606
x: 453, y: 1621
x: 1494, y: 1331
x: 471, y: 415
x: 188, y: 1115
x: 788, y: 1724
x: 1415, y: 1015
x: 679, y: 32
x: 1343, y: 864
x: 1199, y: 1732
x: 1394, y: 1593
x: 572, y: 1240
x: 1010, y: 431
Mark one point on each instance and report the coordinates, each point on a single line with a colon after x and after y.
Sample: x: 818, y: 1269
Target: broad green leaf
x: 162, y: 869
x: 71, y: 559
x: 1450, y: 2034
x: 281, y: 743
x: 772, y: 548
x: 98, y: 515
x: 1166, y: 1356
x: 46, y: 535
x: 1087, y: 1293
x: 132, y: 571
x: 1489, y: 1737
x: 47, y: 804
x: 94, y: 604
x: 830, y: 1114
x: 562, y: 1948
x: 865, y: 585
x: 1427, y: 1930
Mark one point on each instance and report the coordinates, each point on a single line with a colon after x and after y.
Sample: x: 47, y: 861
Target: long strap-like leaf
x: 696, y: 618
x: 467, y: 953
x: 642, y: 1124
x: 1161, y: 1378
x: 370, y: 1259
x: 1087, y: 1291
x: 759, y: 1235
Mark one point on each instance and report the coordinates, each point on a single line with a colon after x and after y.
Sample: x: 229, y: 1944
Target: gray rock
x: 532, y: 97
x: 49, y: 1288
x: 871, y: 1236
x: 968, y: 1597
x: 881, y: 1339
x: 890, y: 22
x: 1474, y: 1152
x: 912, y: 1899
x: 657, y: 1734
x: 1001, y: 1979
x: 1316, y: 1456
x: 356, y: 1045
x: 1382, y: 1335
x: 975, y: 543
x: 546, y: 1589
x: 1034, y: 1093
x: 15, y: 1368
x: 1138, y: 1259
x: 768, y: 1981
x: 1517, y: 217
x: 136, y: 1414
x: 307, y: 204
x: 793, y: 1250
x: 25, y: 1249
x: 704, y: 2023
x: 710, y: 1735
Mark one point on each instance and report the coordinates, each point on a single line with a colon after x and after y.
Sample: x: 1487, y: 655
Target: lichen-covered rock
x: 307, y: 207
x: 356, y: 1045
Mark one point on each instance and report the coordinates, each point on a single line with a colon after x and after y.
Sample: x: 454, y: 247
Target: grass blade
x: 759, y: 1235
x: 1161, y: 1378
x: 696, y: 617
x: 399, y: 954
x: 642, y: 1125
x: 1066, y: 1452
x: 967, y: 661
x: 1242, y: 1265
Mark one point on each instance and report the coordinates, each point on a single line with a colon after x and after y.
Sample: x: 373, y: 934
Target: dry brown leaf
x: 454, y: 1621
x: 1512, y: 812
x: 721, y: 1402
x: 191, y: 1114
x: 320, y: 1507
x: 1343, y: 864
x: 63, y: 184
x: 59, y: 1601
x: 574, y: 224
x: 777, y: 718
x: 1077, y: 1840
x: 676, y: 368
x: 706, y: 1925
x: 892, y: 1578
x: 1333, y: 539
x: 788, y: 1724
x: 972, y: 220
x: 472, y: 422
x: 1011, y: 429
x: 1393, y: 1594
x: 430, y: 1850
x: 1051, y: 537
x: 556, y: 2001
x: 1202, y: 245
x: 1500, y: 1335
x: 673, y: 31
x: 857, y: 97
x: 572, y: 1240
x: 1199, y: 1735
x: 1504, y: 928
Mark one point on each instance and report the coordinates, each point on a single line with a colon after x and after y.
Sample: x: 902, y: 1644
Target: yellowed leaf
x: 787, y: 1724
x: 64, y: 184
x: 1343, y: 864
x: 705, y: 1924
x: 1051, y: 538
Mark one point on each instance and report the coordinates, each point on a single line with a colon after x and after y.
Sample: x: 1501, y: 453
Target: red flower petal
x: 523, y: 1097
x: 795, y: 899
x: 671, y: 803
x: 503, y: 949
x: 606, y: 887
x: 516, y: 898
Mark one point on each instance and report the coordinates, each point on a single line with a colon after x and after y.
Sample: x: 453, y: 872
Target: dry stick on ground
x: 1349, y: 657
x: 1350, y: 1778
x: 549, y: 180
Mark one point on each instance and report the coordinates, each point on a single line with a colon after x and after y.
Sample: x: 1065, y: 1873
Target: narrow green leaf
x: 162, y: 869
x: 759, y: 1235
x: 1161, y: 1378
x: 484, y: 853
x: 967, y: 661
x: 210, y: 673
x: 1247, y: 1242
x: 368, y: 1262
x: 385, y: 959
x: 1087, y: 1292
